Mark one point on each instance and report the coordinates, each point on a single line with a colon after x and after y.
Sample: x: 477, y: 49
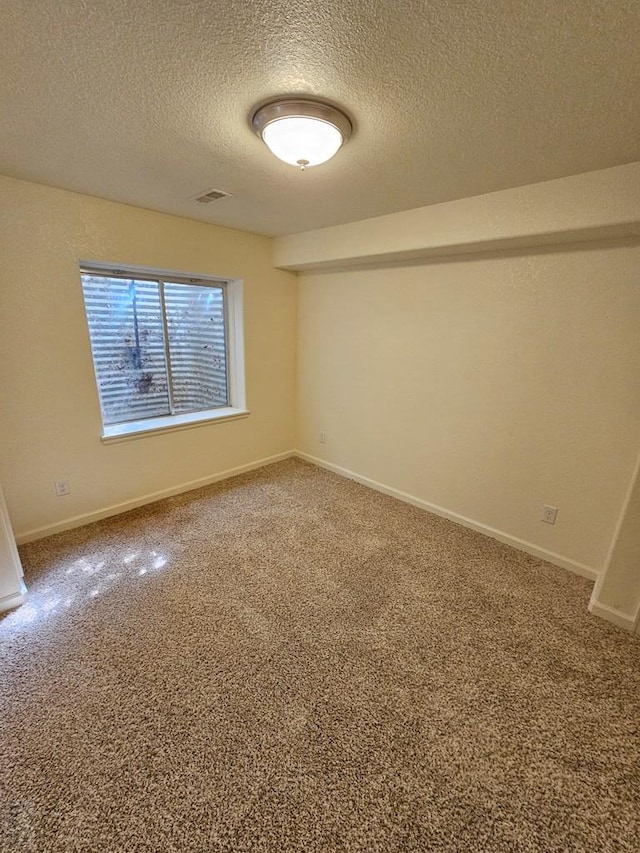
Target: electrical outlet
x: 549, y: 514
x: 62, y: 487
x: 323, y: 437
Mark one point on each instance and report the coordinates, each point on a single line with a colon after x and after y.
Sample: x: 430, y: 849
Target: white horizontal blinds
x: 127, y: 340
x: 195, y: 317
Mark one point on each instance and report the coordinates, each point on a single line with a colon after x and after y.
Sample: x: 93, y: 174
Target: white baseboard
x: 611, y: 614
x: 522, y: 545
x: 13, y: 599
x: 116, y: 509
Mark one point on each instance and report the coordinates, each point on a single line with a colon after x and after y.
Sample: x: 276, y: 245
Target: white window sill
x: 138, y: 429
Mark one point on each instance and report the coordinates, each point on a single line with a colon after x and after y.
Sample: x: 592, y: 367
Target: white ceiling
x: 148, y: 101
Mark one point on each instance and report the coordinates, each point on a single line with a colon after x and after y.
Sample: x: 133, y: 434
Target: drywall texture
x: 50, y: 414
x: 602, y: 204
x: 620, y: 585
x: 487, y: 387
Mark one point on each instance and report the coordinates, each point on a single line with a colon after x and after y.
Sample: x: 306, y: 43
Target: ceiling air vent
x: 211, y: 195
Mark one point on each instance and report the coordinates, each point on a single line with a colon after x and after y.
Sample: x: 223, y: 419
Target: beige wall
x: 487, y: 386
x: 50, y: 418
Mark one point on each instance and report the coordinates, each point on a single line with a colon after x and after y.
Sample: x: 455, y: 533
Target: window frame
x: 234, y: 345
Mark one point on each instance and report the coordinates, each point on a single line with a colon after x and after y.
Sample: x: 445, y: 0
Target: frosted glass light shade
x: 302, y: 141
x: 301, y: 132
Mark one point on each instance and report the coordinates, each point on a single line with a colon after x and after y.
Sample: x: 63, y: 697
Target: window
x: 167, y: 348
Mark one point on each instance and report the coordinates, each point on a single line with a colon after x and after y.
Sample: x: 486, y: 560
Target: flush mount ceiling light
x: 300, y: 131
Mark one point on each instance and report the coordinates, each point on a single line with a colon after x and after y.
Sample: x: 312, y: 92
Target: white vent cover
x: 208, y: 196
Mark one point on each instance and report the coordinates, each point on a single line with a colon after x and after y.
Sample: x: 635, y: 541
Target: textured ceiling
x: 148, y: 102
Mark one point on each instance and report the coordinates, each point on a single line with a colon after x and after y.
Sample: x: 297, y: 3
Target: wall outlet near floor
x: 549, y: 514
x: 62, y: 487
x: 323, y: 437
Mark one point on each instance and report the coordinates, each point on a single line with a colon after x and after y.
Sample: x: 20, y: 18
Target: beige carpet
x: 290, y: 661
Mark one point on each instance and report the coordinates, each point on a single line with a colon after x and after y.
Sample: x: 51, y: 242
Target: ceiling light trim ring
x: 303, y: 108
